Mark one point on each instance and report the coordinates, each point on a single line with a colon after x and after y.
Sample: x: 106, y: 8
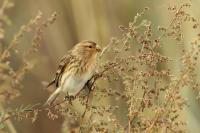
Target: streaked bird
x: 74, y: 70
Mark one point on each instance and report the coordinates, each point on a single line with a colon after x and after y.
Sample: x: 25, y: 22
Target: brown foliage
x: 136, y: 77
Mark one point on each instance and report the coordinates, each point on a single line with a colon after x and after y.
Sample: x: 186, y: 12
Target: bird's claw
x: 69, y: 98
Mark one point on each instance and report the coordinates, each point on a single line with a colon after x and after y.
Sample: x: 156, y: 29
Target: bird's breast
x: 72, y: 83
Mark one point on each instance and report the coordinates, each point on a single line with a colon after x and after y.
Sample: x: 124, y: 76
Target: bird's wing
x: 61, y: 68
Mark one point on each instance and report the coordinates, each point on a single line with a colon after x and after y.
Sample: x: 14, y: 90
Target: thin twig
x: 39, y: 109
x: 8, y: 122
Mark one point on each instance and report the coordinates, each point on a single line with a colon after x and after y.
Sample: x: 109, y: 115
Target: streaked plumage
x: 75, y: 69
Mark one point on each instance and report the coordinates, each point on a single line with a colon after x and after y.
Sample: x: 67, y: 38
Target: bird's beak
x: 98, y: 49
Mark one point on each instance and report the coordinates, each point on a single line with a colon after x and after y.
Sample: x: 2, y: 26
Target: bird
x: 75, y: 69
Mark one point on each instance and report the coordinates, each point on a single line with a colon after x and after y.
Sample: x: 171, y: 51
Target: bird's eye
x: 90, y: 46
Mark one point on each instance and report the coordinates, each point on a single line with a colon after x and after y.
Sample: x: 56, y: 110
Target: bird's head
x: 86, y: 48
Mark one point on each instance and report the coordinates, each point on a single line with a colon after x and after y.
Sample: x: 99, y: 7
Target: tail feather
x: 52, y: 82
x: 53, y: 97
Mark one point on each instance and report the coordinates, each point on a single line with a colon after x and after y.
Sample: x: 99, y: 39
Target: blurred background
x: 82, y: 20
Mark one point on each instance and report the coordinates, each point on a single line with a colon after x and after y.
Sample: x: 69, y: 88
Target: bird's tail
x: 53, y: 97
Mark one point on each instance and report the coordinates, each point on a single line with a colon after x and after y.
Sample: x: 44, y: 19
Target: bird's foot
x: 69, y: 98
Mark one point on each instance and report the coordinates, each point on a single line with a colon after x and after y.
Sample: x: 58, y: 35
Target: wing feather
x: 61, y: 68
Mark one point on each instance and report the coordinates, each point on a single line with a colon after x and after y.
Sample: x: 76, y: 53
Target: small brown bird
x: 75, y: 69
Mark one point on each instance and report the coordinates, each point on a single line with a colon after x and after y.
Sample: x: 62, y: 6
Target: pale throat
x: 90, y: 62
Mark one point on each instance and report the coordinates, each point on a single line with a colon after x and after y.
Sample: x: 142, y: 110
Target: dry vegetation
x: 133, y: 74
